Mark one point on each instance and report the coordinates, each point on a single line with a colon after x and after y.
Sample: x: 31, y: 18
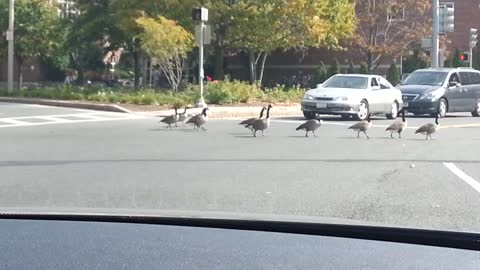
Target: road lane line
x: 12, y: 121
x: 332, y: 123
x: 465, y: 177
x: 461, y: 126
x: 53, y: 119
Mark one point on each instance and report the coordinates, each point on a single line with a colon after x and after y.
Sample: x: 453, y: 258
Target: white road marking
x: 60, y: 119
x: 465, y: 177
x: 333, y: 123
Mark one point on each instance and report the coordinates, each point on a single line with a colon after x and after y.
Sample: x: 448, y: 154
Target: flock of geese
x: 261, y: 124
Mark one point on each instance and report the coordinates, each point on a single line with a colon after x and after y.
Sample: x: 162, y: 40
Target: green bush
x: 393, y: 75
x: 363, y: 69
x: 321, y: 74
x: 223, y: 92
x: 334, y: 69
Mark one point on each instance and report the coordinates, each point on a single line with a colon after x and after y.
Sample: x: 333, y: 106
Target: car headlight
x: 341, y: 98
x: 308, y: 97
x: 432, y: 95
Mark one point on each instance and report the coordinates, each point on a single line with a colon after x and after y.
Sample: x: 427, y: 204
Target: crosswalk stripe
x: 90, y: 117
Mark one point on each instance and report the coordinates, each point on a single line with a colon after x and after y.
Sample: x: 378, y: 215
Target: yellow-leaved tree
x: 169, y: 43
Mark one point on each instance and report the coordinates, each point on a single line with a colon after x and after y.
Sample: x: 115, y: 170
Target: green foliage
x: 38, y: 31
x: 224, y: 92
x: 321, y: 74
x: 417, y: 60
x: 393, y: 75
x: 334, y: 69
x: 363, y: 69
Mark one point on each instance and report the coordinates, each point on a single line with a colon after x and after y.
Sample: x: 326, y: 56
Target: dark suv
x: 438, y: 91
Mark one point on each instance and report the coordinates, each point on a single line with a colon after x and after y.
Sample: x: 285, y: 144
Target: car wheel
x: 393, y: 111
x: 345, y: 117
x: 442, y: 108
x: 363, y: 111
x: 309, y: 115
x: 476, y: 112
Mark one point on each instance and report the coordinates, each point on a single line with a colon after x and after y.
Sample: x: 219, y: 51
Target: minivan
x: 442, y: 90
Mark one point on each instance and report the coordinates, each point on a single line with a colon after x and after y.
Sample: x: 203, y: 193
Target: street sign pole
x: 436, y: 30
x: 10, y: 37
x: 470, y: 55
x: 201, y: 102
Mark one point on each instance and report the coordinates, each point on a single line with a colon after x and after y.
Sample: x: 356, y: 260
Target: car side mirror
x: 376, y: 87
x: 454, y: 84
x: 319, y: 85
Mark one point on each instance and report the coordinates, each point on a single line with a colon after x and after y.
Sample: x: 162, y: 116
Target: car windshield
x: 236, y: 109
x: 434, y: 78
x: 347, y: 82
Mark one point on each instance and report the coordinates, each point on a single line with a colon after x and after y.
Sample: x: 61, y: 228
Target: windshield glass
x: 118, y: 106
x: 434, y: 78
x: 347, y: 82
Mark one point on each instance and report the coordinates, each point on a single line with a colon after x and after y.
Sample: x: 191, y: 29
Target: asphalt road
x: 59, y: 158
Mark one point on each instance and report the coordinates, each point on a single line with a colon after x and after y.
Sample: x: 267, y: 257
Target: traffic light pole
x: 470, y: 55
x: 435, y: 36
x: 201, y: 73
x: 10, y: 39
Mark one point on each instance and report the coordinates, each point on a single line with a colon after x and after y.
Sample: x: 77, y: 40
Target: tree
x: 38, y: 32
x: 321, y: 74
x: 168, y: 42
x: 417, y: 60
x: 260, y: 27
x: 393, y: 76
x: 334, y: 69
x: 385, y: 26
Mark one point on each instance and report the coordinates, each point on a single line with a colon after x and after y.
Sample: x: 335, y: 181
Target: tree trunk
x: 262, y: 68
x: 218, y: 72
x: 136, y: 68
x: 252, y: 67
x: 369, y: 62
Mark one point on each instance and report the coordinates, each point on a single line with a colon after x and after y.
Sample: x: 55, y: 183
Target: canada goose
x: 429, y: 129
x: 199, y: 120
x: 398, y: 126
x: 261, y: 124
x: 182, y: 117
x: 247, y: 123
x: 170, y: 120
x: 362, y: 126
x: 310, y: 125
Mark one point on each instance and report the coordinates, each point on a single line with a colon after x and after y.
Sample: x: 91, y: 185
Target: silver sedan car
x: 356, y: 95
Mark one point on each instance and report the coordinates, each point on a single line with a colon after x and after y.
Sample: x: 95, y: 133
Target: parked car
x: 404, y: 77
x: 438, y: 91
x: 354, y: 95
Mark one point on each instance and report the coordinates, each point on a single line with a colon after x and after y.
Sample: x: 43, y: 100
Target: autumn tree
x: 384, y: 27
x: 38, y: 32
x: 263, y: 26
x: 168, y: 42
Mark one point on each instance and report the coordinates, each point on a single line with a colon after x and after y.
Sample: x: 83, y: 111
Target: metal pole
x: 10, y: 37
x: 470, y: 57
x: 201, y: 102
x: 436, y: 30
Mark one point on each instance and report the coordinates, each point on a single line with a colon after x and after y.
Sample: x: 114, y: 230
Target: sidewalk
x: 224, y: 112
x: 215, y: 111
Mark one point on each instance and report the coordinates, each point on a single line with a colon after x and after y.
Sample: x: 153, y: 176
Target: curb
x: 66, y: 104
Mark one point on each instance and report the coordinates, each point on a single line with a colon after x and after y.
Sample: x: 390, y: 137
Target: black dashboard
x: 65, y: 244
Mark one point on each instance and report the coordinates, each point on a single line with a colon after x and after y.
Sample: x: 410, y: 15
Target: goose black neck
x: 261, y: 112
x: 403, y: 116
x: 176, y: 112
x: 368, y: 118
x: 185, y: 110
x: 268, y: 112
x: 204, y: 112
x: 436, y: 119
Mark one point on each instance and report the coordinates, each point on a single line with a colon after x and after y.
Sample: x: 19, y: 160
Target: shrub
x: 393, y: 75
x: 334, y: 69
x: 321, y: 74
